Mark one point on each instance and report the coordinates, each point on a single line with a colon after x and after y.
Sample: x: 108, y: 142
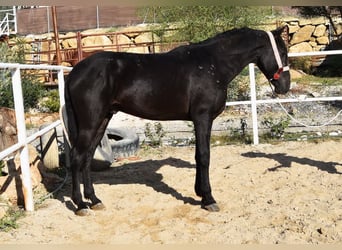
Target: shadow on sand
x: 285, y: 161
x: 141, y: 172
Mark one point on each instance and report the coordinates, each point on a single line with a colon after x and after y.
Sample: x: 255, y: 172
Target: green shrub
x: 10, y: 220
x: 277, y: 126
x: 301, y: 63
x: 50, y: 102
x: 155, y: 134
x: 2, y: 165
x: 32, y: 92
x: 32, y: 88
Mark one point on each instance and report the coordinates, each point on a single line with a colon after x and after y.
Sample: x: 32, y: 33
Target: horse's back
x: 146, y: 85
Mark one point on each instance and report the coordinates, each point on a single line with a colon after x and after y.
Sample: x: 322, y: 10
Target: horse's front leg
x: 202, y: 185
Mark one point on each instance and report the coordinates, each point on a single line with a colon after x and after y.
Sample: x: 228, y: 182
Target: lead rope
x: 287, y: 68
x: 299, y: 122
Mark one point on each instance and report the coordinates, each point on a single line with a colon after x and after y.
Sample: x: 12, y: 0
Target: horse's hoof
x: 98, y: 206
x: 212, y: 207
x: 83, y: 212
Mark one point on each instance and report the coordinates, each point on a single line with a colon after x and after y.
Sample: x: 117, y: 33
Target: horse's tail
x: 68, y: 119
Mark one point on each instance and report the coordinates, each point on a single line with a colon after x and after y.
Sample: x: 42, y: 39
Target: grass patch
x: 230, y: 139
x: 9, y: 221
x: 309, y: 79
x: 270, y: 138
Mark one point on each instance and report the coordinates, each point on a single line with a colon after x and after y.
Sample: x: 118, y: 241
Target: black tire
x: 103, y: 156
x: 124, y: 142
x: 116, y: 142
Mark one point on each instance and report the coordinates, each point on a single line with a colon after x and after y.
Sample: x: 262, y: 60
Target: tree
x: 326, y: 11
x: 196, y: 23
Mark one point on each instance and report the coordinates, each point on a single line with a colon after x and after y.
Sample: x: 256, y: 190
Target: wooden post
x: 55, y: 30
x: 79, y: 46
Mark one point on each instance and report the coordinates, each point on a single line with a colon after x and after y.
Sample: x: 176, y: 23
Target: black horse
x: 186, y: 83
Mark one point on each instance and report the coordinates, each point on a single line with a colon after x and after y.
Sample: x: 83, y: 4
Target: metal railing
x: 8, y: 25
x: 23, y: 140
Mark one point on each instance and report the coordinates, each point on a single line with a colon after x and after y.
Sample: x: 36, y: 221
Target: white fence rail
x: 23, y: 140
x: 254, y: 102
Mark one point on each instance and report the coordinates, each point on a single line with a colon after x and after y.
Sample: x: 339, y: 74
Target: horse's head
x: 273, y: 61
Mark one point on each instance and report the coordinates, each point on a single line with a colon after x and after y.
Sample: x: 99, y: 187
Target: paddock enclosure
x: 284, y: 193
x: 289, y: 192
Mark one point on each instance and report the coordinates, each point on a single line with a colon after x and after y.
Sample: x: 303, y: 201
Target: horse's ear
x: 279, y: 31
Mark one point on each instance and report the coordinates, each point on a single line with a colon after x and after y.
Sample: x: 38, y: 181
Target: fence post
x: 253, y: 104
x: 97, y: 17
x: 15, y: 19
x: 61, y: 87
x: 79, y: 46
x: 21, y: 130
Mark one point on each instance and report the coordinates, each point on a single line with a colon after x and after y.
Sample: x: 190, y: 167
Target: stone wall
x: 305, y: 35
x: 308, y: 35
x: 41, y: 48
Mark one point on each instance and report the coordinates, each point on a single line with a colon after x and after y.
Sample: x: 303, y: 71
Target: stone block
x: 68, y: 41
x: 339, y: 29
x: 301, y: 47
x: 319, y: 30
x: 304, y: 22
x: 100, y: 42
x: 293, y: 28
x: 303, y: 34
x: 313, y: 44
x: 8, y: 133
x: 122, y: 42
x: 290, y: 19
x: 318, y: 20
x: 323, y: 40
x: 312, y: 21
x: 319, y: 48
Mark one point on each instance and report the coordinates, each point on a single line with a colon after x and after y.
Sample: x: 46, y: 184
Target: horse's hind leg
x: 82, y: 155
x: 77, y: 160
x: 89, y: 191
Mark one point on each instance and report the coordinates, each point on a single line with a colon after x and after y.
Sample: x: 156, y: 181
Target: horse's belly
x: 148, y: 109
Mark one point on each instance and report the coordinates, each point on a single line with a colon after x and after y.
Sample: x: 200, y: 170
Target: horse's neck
x: 237, y: 55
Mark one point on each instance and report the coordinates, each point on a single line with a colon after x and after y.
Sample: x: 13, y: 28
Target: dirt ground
x: 290, y: 192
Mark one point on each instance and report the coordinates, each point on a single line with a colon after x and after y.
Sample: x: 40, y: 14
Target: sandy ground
x: 290, y: 192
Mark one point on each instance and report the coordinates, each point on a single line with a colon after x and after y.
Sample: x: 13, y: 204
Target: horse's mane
x: 229, y: 34
x: 225, y: 34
